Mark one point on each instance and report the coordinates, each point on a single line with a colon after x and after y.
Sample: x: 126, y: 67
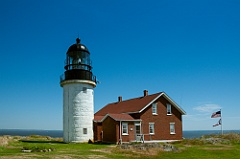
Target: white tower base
x: 78, y: 111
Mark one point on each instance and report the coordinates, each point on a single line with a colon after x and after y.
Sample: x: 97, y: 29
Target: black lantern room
x: 78, y: 63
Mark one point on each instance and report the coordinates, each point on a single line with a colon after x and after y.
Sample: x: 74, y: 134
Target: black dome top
x: 78, y: 47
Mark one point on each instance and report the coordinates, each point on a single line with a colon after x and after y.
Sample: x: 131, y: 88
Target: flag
x: 219, y: 123
x: 216, y: 114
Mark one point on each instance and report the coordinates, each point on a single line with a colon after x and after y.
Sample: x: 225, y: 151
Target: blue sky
x: 189, y: 49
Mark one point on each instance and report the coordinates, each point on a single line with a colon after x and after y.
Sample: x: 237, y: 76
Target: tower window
x: 84, y: 89
x: 84, y: 130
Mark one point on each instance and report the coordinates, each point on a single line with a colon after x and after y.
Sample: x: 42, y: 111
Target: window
x: 125, y: 128
x: 172, y: 128
x: 154, y: 108
x: 84, y: 89
x: 84, y: 130
x: 169, y: 109
x: 151, y: 128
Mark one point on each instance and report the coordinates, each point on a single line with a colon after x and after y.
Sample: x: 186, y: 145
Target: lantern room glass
x: 78, y: 60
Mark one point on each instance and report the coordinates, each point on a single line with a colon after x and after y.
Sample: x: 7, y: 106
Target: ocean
x: 188, y: 134
x: 28, y: 132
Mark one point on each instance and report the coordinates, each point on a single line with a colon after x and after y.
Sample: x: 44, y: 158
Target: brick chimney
x: 119, y: 98
x: 145, y: 92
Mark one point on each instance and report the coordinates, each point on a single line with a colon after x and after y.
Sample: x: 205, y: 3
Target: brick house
x: 147, y: 118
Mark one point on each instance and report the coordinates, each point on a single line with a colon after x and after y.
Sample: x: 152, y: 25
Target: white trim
x: 120, y: 132
x: 77, y: 81
x: 125, y: 124
x: 169, y: 109
x: 150, y: 102
x: 174, y: 104
x: 105, y: 117
x: 137, y: 124
x: 155, y: 109
x: 168, y: 99
x: 172, y: 124
x: 109, y: 115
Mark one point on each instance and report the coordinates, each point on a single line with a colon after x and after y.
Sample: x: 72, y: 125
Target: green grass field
x: 218, y: 147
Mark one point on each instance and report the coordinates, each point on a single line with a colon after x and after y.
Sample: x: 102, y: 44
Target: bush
x: 233, y: 137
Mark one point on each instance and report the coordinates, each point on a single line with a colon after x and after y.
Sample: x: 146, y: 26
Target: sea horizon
x: 188, y: 134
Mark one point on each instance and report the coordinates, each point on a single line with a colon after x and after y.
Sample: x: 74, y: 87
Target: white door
x: 137, y: 131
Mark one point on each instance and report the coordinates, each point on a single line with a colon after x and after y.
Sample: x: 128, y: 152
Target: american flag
x: 216, y: 114
x: 219, y: 123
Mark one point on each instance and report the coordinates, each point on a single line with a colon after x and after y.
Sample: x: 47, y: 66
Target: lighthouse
x: 78, y: 84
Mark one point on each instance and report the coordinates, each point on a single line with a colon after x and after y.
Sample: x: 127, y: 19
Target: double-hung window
x: 125, y: 128
x: 169, y: 109
x: 154, y: 108
x: 151, y: 128
x: 172, y: 128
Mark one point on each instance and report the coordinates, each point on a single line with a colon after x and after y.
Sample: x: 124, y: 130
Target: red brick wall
x: 109, y: 130
x: 131, y: 135
x: 131, y: 131
x: 161, y: 122
x: 117, y: 132
x: 97, y: 130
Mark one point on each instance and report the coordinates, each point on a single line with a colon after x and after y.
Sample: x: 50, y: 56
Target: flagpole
x: 221, y: 122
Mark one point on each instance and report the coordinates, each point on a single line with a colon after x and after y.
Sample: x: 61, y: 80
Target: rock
x: 26, y: 150
x: 169, y: 147
x: 147, y: 146
x: 216, y: 140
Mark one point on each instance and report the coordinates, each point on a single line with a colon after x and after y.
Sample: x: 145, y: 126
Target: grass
x: 207, y: 147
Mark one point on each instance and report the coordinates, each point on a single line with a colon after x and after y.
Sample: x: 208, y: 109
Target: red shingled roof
x: 127, y: 106
x: 121, y: 117
x: 98, y: 118
x: 116, y: 117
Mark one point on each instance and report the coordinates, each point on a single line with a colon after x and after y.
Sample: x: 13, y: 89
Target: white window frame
x: 169, y: 109
x: 151, y: 126
x: 172, y: 128
x: 124, y: 128
x: 154, y: 109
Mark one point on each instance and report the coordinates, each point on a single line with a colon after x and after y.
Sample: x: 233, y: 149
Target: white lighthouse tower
x: 78, y: 83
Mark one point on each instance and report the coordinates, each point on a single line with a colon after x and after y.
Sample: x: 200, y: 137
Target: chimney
x: 145, y: 92
x: 119, y: 98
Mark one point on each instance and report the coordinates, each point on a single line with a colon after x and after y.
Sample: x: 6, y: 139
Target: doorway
x: 137, y: 131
